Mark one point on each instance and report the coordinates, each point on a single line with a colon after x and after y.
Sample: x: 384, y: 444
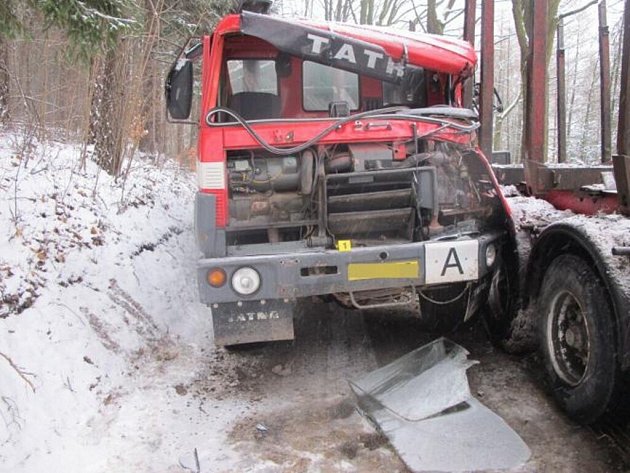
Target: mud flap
x: 235, y: 323
x: 422, y: 403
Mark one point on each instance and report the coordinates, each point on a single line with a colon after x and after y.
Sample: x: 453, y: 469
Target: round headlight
x: 246, y: 281
x: 491, y: 255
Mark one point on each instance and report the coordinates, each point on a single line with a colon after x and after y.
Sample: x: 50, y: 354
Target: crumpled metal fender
x: 422, y: 403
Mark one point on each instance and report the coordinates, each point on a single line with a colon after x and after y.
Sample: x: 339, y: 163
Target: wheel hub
x: 568, y: 338
x: 575, y: 338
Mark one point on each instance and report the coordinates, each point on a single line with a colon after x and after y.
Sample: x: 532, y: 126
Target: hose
x: 380, y: 113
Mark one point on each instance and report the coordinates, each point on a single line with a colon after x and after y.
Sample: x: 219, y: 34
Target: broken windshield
x: 322, y: 85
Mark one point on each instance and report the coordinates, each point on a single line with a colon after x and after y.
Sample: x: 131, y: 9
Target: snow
x: 99, y: 320
x: 106, y: 359
x: 529, y: 212
x: 606, y: 232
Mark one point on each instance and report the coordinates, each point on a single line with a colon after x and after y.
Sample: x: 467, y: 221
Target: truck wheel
x: 497, y: 309
x: 501, y: 309
x: 577, y: 341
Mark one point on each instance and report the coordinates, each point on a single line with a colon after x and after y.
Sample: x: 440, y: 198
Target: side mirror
x: 179, y: 89
x: 497, y: 101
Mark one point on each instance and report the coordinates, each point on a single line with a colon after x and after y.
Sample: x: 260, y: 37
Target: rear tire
x: 577, y: 340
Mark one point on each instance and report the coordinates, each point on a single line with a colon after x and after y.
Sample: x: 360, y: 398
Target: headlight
x: 246, y: 281
x: 491, y: 255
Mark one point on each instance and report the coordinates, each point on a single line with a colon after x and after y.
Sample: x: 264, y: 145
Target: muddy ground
x: 302, y: 416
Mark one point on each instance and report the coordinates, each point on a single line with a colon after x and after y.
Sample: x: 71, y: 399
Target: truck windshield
x: 253, y: 88
x: 411, y: 91
x: 322, y: 85
x: 252, y: 75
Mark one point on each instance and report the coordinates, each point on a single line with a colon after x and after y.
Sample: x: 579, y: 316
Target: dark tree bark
x: 96, y: 72
x: 4, y: 81
x: 106, y: 114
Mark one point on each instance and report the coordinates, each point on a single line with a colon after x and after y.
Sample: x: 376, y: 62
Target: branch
x: 449, y: 9
x: 419, y: 17
x: 510, y: 107
x: 21, y: 374
x: 578, y: 10
x: 454, y: 17
x: 93, y: 11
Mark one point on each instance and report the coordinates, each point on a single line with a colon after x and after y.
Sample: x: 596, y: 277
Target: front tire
x: 508, y: 327
x: 577, y: 339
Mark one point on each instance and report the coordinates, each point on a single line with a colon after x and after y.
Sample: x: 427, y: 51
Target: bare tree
x: 150, y: 141
x: 436, y: 25
x: 106, y: 112
x: 4, y: 81
x: 522, y: 11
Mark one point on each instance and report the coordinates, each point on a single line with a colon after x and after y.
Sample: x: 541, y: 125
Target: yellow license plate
x: 395, y: 270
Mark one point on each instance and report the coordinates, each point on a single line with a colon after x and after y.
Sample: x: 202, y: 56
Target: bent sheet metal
x: 422, y: 403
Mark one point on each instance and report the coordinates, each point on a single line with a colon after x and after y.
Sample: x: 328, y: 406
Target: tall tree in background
x: 522, y: 11
x: 4, y: 81
x: 435, y: 25
x: 150, y: 139
x: 88, y: 23
x: 106, y: 112
x: 90, y: 26
x: 169, y: 22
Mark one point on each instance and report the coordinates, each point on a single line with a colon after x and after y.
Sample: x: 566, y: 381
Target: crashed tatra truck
x: 336, y: 161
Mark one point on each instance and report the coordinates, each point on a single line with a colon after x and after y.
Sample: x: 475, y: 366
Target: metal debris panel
x: 422, y: 403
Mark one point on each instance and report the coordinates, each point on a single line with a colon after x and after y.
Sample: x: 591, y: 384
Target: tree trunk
x: 522, y: 11
x: 150, y: 141
x: 576, y: 62
x: 106, y: 115
x: 586, y: 131
x: 366, y: 12
x: 4, y: 81
x: 434, y: 25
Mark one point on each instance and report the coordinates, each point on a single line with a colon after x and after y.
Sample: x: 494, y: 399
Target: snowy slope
x: 98, y: 316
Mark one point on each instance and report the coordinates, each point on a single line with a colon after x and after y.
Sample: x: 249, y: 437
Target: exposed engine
x: 365, y: 192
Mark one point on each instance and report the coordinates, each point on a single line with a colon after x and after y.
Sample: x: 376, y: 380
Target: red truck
x: 338, y: 161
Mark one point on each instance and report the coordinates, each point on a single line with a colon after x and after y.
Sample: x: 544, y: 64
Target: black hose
x: 380, y: 113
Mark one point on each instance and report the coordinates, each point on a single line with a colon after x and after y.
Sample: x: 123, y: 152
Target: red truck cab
x: 337, y: 161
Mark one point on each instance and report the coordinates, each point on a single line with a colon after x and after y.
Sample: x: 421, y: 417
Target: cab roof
x: 382, y: 52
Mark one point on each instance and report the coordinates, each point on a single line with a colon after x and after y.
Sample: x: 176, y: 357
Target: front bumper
x: 313, y: 272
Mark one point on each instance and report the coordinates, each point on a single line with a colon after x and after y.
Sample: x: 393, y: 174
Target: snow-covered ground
x: 107, y: 363
x: 99, y: 322
x: 106, y: 358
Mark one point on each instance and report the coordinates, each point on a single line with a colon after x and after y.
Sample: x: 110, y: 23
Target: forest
x: 109, y: 355
x: 93, y: 71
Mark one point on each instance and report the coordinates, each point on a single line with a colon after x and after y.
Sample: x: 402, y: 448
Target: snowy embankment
x: 98, y: 315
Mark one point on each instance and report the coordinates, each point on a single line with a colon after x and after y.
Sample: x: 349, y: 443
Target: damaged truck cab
x: 337, y: 161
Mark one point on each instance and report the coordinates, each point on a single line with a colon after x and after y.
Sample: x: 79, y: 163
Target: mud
x: 303, y: 415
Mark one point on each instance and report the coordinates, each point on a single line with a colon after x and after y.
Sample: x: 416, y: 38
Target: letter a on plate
x: 451, y: 261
